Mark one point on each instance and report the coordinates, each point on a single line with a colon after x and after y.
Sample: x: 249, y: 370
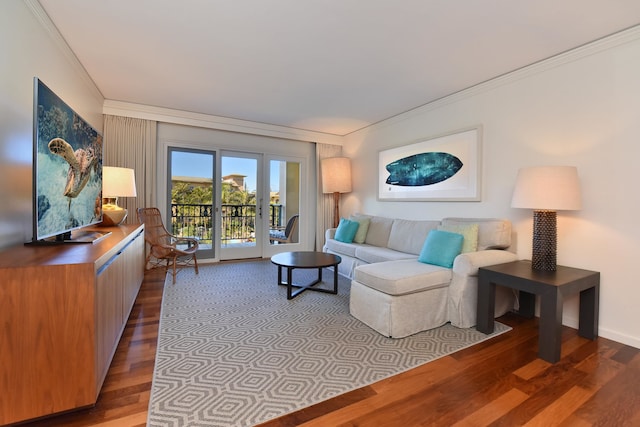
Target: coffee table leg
x: 291, y: 293
x: 289, y: 283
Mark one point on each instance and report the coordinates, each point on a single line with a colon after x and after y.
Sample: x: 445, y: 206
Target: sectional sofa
x: 400, y: 283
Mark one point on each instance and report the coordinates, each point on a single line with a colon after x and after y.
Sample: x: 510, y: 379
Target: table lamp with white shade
x: 546, y: 189
x: 116, y: 182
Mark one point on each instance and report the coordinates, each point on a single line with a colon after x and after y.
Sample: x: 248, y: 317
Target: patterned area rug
x: 233, y: 351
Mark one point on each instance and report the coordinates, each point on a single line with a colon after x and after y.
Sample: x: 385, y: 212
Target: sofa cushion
x: 469, y: 232
x: 364, y: 221
x: 409, y: 236
x: 372, y: 254
x: 378, y: 233
x: 492, y: 233
x: 441, y: 248
x: 402, y: 277
x: 347, y: 230
x: 348, y: 249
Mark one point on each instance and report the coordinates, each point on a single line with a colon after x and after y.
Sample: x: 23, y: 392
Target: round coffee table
x: 293, y: 260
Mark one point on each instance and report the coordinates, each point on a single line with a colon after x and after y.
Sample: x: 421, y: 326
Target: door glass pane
x: 239, y: 203
x: 284, y: 202
x: 191, y: 191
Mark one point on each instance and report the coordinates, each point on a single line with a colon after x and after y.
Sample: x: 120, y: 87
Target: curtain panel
x: 325, y: 201
x: 131, y: 143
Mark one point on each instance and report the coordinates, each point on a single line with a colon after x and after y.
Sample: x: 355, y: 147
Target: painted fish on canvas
x: 423, y: 169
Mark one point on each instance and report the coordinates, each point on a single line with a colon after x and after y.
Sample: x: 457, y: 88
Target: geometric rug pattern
x: 233, y: 351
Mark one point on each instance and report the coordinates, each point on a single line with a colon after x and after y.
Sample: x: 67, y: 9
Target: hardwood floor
x: 500, y: 382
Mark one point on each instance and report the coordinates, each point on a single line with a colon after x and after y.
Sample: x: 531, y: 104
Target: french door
x: 235, y: 202
x: 191, y: 195
x: 241, y: 205
x: 285, y: 202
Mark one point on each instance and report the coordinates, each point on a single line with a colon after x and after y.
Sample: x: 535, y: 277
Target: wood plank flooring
x: 500, y: 382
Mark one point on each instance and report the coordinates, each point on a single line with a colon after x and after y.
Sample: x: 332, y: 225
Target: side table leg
x: 527, y: 304
x: 486, y: 304
x: 589, y: 308
x: 550, y: 327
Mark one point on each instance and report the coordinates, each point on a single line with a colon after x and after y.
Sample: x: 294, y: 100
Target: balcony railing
x: 238, y: 222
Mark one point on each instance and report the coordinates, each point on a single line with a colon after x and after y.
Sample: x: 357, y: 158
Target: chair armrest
x: 468, y: 263
x: 190, y: 241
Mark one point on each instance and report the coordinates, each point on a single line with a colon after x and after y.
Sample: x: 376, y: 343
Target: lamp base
x: 113, y: 215
x: 545, y: 234
x: 336, y: 209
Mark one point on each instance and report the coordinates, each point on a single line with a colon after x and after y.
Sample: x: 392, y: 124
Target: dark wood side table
x: 552, y: 287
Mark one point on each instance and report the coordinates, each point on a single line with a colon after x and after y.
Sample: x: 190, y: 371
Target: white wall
x: 581, y: 109
x: 30, y: 47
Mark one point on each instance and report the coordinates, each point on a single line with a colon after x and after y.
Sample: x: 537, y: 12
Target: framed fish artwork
x: 442, y: 168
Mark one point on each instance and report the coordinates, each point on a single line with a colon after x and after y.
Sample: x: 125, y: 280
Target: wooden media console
x: 62, y: 311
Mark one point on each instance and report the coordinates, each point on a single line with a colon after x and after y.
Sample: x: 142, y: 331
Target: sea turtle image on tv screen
x: 423, y: 169
x: 81, y: 162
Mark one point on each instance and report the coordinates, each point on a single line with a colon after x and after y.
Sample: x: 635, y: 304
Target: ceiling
x: 331, y: 66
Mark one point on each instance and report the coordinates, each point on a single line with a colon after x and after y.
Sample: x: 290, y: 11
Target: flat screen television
x: 67, y: 172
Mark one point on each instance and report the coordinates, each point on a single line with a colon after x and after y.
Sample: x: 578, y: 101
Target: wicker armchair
x: 179, y: 251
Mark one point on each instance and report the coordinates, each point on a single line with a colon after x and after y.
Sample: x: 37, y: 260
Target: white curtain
x: 325, y: 201
x: 131, y: 143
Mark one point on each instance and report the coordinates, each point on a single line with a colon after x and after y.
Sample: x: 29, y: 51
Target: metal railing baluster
x: 238, y: 222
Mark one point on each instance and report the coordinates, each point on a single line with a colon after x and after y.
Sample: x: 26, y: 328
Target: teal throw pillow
x: 441, y: 248
x: 346, y: 231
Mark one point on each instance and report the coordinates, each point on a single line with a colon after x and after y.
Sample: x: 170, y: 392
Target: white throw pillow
x: 468, y: 231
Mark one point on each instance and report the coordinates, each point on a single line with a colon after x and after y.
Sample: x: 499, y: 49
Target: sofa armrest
x: 330, y: 233
x: 467, y: 264
x: 463, y: 290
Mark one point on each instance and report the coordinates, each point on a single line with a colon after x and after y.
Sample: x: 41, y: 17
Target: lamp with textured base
x: 546, y: 189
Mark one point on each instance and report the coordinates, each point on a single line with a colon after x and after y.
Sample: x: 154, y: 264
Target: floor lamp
x: 546, y: 189
x: 336, y: 179
x: 116, y: 182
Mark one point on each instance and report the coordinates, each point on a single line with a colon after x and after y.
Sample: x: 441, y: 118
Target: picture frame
x: 446, y: 167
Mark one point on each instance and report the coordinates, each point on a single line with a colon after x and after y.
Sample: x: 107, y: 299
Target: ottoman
x: 400, y: 298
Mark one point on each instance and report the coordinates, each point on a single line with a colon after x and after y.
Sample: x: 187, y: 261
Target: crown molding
x: 45, y: 22
x: 167, y: 115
